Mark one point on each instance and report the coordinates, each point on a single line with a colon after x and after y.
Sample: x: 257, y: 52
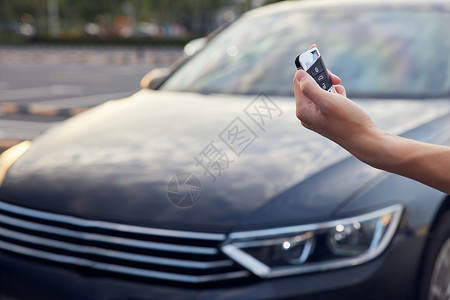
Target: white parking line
x: 36, y: 92
x: 22, y: 129
x: 85, y: 101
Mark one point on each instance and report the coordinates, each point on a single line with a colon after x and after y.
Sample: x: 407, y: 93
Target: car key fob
x: 312, y: 63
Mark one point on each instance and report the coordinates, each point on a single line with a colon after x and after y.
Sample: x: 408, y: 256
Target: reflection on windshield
x: 377, y: 54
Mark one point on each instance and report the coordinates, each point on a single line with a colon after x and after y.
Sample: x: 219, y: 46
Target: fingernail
x: 300, y: 75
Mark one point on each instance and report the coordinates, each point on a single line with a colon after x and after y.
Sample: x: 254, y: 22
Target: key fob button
x: 322, y: 80
x: 312, y: 63
x: 326, y: 85
x: 316, y: 68
x: 321, y: 77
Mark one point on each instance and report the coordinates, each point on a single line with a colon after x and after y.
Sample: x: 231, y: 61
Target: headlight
x: 314, y: 247
x: 8, y: 157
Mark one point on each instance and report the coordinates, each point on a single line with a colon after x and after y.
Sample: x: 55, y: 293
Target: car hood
x: 118, y: 162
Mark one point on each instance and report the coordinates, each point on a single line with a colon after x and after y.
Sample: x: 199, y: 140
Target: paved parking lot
x: 41, y: 86
x: 154, y: 56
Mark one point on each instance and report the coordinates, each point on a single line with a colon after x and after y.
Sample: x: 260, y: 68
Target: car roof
x: 326, y: 5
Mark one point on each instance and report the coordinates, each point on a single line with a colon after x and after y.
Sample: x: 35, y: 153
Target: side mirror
x: 154, y: 78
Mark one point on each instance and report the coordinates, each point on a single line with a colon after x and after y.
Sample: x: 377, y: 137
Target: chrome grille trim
x: 112, y: 253
x: 94, y: 237
x: 109, y: 225
x: 120, y: 269
x: 190, y: 257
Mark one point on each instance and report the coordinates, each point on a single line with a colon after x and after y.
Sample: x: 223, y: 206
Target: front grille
x: 180, y: 256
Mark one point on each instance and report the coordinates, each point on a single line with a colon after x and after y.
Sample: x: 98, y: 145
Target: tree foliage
x: 195, y: 15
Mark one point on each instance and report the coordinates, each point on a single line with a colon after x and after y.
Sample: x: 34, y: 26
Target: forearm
x: 427, y: 163
x: 336, y: 117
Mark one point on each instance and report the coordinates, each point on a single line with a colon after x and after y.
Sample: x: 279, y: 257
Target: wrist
x: 385, y: 151
x: 373, y: 146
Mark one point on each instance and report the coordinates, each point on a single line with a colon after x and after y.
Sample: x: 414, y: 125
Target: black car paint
x: 343, y: 188
x: 160, y: 142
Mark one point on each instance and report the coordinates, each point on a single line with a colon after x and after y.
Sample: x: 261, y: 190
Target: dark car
x: 208, y: 187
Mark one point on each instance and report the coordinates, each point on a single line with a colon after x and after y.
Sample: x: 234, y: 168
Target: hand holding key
x: 314, y: 105
x: 311, y: 61
x: 330, y: 114
x: 338, y: 118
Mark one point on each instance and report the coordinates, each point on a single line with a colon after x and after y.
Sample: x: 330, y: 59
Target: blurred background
x: 146, y: 21
x: 60, y: 57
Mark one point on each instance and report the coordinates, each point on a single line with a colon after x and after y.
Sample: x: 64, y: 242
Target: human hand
x: 332, y: 115
x: 338, y: 118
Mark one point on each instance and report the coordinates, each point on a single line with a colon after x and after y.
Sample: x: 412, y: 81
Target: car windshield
x: 376, y: 53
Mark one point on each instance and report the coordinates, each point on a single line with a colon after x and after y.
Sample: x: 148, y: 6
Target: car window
x: 376, y: 53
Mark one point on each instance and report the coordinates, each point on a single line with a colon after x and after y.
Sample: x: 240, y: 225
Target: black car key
x: 312, y: 63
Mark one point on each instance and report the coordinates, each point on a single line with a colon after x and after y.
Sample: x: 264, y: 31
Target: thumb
x: 310, y: 89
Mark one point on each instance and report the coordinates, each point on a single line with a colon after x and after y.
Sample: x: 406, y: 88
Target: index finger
x: 335, y: 80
